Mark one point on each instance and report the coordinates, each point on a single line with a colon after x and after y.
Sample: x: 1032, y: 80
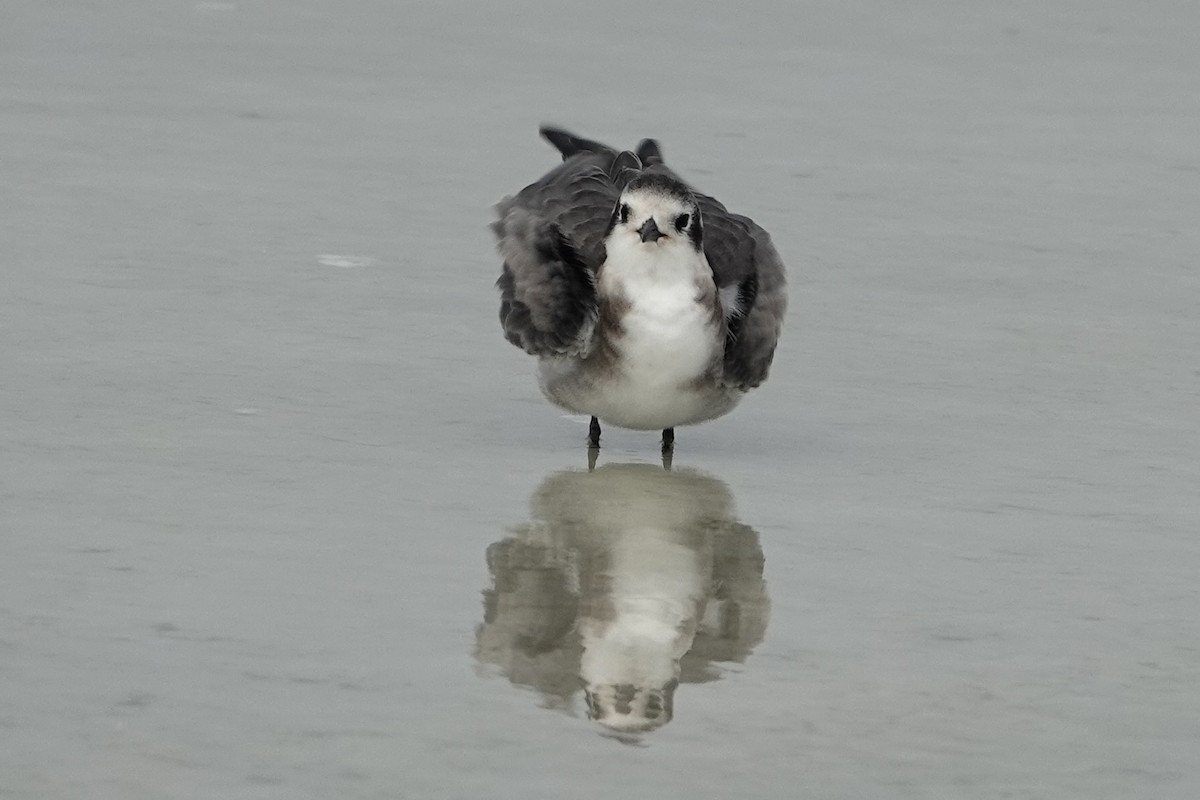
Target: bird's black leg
x: 593, y: 443
x: 668, y: 447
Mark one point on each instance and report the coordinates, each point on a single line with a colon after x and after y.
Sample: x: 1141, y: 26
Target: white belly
x: 669, y: 344
x: 667, y: 356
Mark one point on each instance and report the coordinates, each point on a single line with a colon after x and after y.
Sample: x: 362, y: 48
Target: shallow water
x: 282, y: 515
x: 629, y: 579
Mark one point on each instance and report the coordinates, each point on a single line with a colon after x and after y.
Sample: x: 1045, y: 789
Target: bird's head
x: 660, y: 211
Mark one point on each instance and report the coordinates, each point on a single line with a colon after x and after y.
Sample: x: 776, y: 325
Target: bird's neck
x: 638, y: 268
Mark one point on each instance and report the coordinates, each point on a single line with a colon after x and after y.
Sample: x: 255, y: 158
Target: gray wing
x: 547, y: 292
x: 551, y: 236
x: 752, y: 282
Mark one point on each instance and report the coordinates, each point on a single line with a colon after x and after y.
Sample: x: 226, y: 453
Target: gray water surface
x: 282, y: 515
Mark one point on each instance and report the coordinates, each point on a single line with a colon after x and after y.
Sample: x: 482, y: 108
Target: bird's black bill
x: 650, y: 231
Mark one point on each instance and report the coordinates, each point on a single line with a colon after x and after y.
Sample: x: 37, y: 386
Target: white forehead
x: 643, y: 202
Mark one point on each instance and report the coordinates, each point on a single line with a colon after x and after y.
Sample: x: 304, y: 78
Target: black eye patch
x: 623, y: 213
x: 682, y: 221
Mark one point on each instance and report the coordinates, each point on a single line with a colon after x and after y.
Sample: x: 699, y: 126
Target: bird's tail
x: 649, y: 152
x: 569, y: 144
x: 625, y: 167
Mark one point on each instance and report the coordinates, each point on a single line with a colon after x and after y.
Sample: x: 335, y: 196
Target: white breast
x: 668, y: 335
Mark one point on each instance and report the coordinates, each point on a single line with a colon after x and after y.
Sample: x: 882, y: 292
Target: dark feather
x: 569, y: 144
x: 649, y: 152
x: 578, y: 196
x: 750, y: 349
x: 547, y: 297
x: 625, y: 168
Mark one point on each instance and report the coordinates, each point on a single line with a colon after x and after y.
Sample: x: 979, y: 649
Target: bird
x: 648, y: 304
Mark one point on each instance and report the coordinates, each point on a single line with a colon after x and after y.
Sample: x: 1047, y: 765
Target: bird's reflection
x: 629, y: 579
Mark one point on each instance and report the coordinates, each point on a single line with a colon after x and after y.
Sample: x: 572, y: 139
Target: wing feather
x: 551, y: 235
x: 547, y: 293
x: 753, y: 336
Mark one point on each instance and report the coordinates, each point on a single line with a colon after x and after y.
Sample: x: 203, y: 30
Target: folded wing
x: 547, y: 292
x: 752, y: 282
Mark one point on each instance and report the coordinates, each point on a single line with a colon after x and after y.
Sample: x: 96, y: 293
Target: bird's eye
x: 623, y: 212
x: 682, y: 221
